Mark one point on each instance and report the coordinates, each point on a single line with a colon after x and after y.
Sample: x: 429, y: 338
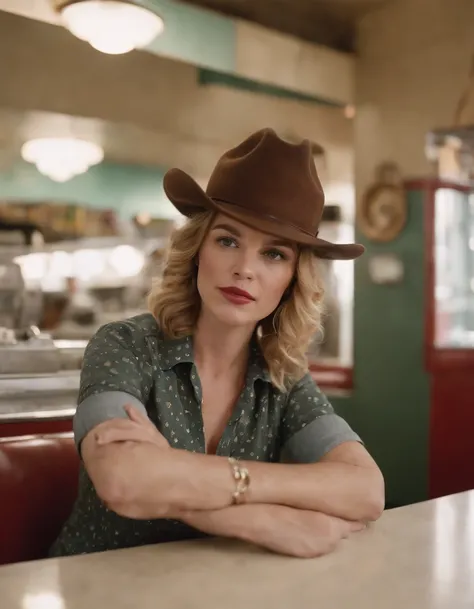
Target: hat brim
x: 189, y: 199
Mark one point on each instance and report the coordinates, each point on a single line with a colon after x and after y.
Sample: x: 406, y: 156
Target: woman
x: 201, y: 417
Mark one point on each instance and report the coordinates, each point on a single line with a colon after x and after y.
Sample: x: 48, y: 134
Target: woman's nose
x: 245, y: 266
x: 243, y: 274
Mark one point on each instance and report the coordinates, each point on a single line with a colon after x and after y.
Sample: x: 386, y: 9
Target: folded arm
x: 148, y: 479
x: 202, y: 503
x: 138, y: 475
x: 301, y: 533
x: 143, y: 480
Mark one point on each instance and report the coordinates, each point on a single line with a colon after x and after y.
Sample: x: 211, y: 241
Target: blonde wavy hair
x: 284, y: 336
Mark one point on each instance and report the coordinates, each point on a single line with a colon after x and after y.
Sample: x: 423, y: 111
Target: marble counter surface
x: 416, y: 557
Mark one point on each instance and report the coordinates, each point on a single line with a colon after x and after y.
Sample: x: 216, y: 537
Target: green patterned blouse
x: 131, y: 361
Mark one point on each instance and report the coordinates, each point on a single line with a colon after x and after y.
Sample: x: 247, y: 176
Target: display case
x: 449, y: 332
x: 450, y: 276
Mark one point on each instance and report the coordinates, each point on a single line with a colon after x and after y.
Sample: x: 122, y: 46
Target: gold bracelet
x: 242, y: 480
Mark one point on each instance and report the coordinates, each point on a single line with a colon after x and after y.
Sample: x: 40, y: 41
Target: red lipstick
x: 236, y: 295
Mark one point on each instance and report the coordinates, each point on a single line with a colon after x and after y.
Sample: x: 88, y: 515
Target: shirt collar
x: 180, y: 350
x: 176, y: 351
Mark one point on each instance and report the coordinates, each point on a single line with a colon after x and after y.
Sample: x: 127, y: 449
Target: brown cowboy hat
x: 268, y: 184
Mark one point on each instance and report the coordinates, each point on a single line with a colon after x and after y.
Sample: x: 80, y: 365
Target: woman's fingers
x: 143, y: 420
x: 137, y: 428
x: 136, y: 415
x: 357, y: 526
x: 122, y: 435
x: 104, y: 431
x: 118, y: 428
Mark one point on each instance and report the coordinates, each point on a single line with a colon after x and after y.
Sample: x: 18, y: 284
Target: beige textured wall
x: 414, y: 58
x: 273, y: 58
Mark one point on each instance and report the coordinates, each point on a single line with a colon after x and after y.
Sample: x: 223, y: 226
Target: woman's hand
x: 281, y: 529
x: 305, y: 534
x: 137, y: 428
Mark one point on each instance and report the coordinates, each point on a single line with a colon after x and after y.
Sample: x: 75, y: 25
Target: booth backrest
x: 38, y: 487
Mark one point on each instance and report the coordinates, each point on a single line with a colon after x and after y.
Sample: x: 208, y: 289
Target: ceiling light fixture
x: 110, y: 26
x: 61, y: 158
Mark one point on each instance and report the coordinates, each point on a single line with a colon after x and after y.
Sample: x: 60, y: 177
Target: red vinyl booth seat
x: 38, y: 486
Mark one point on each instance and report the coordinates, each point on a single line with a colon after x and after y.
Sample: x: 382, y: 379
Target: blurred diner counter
x: 37, y: 403
x: 416, y: 557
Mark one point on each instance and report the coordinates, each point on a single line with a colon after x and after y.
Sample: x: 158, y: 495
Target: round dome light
x: 111, y: 26
x: 61, y: 158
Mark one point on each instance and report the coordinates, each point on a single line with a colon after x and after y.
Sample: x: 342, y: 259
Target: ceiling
x: 327, y: 22
x: 56, y: 86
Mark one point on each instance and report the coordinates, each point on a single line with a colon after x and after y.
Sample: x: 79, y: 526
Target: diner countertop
x: 38, y: 397
x: 54, y: 396
x: 416, y: 557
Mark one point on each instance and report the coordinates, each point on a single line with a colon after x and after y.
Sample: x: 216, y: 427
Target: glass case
x: 453, y: 268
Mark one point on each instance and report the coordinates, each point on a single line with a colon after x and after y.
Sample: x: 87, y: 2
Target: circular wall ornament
x: 382, y: 213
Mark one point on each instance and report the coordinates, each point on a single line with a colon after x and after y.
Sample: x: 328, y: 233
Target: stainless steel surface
x: 51, y: 414
x: 39, y: 355
x: 71, y: 353
x: 12, y: 290
x: 38, y: 396
x: 38, y: 384
x: 416, y: 557
x: 30, y: 357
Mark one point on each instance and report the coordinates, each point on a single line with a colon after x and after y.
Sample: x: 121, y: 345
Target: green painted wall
x: 345, y: 407
x: 129, y: 189
x: 194, y: 35
x: 390, y: 404
x: 213, y: 77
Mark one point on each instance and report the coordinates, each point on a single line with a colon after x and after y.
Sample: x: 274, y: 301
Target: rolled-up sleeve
x: 310, y: 428
x: 114, y: 373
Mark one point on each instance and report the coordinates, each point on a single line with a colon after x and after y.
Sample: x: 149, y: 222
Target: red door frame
x: 451, y: 372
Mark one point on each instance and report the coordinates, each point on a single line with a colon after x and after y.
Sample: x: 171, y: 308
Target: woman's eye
x: 275, y: 255
x: 226, y: 241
